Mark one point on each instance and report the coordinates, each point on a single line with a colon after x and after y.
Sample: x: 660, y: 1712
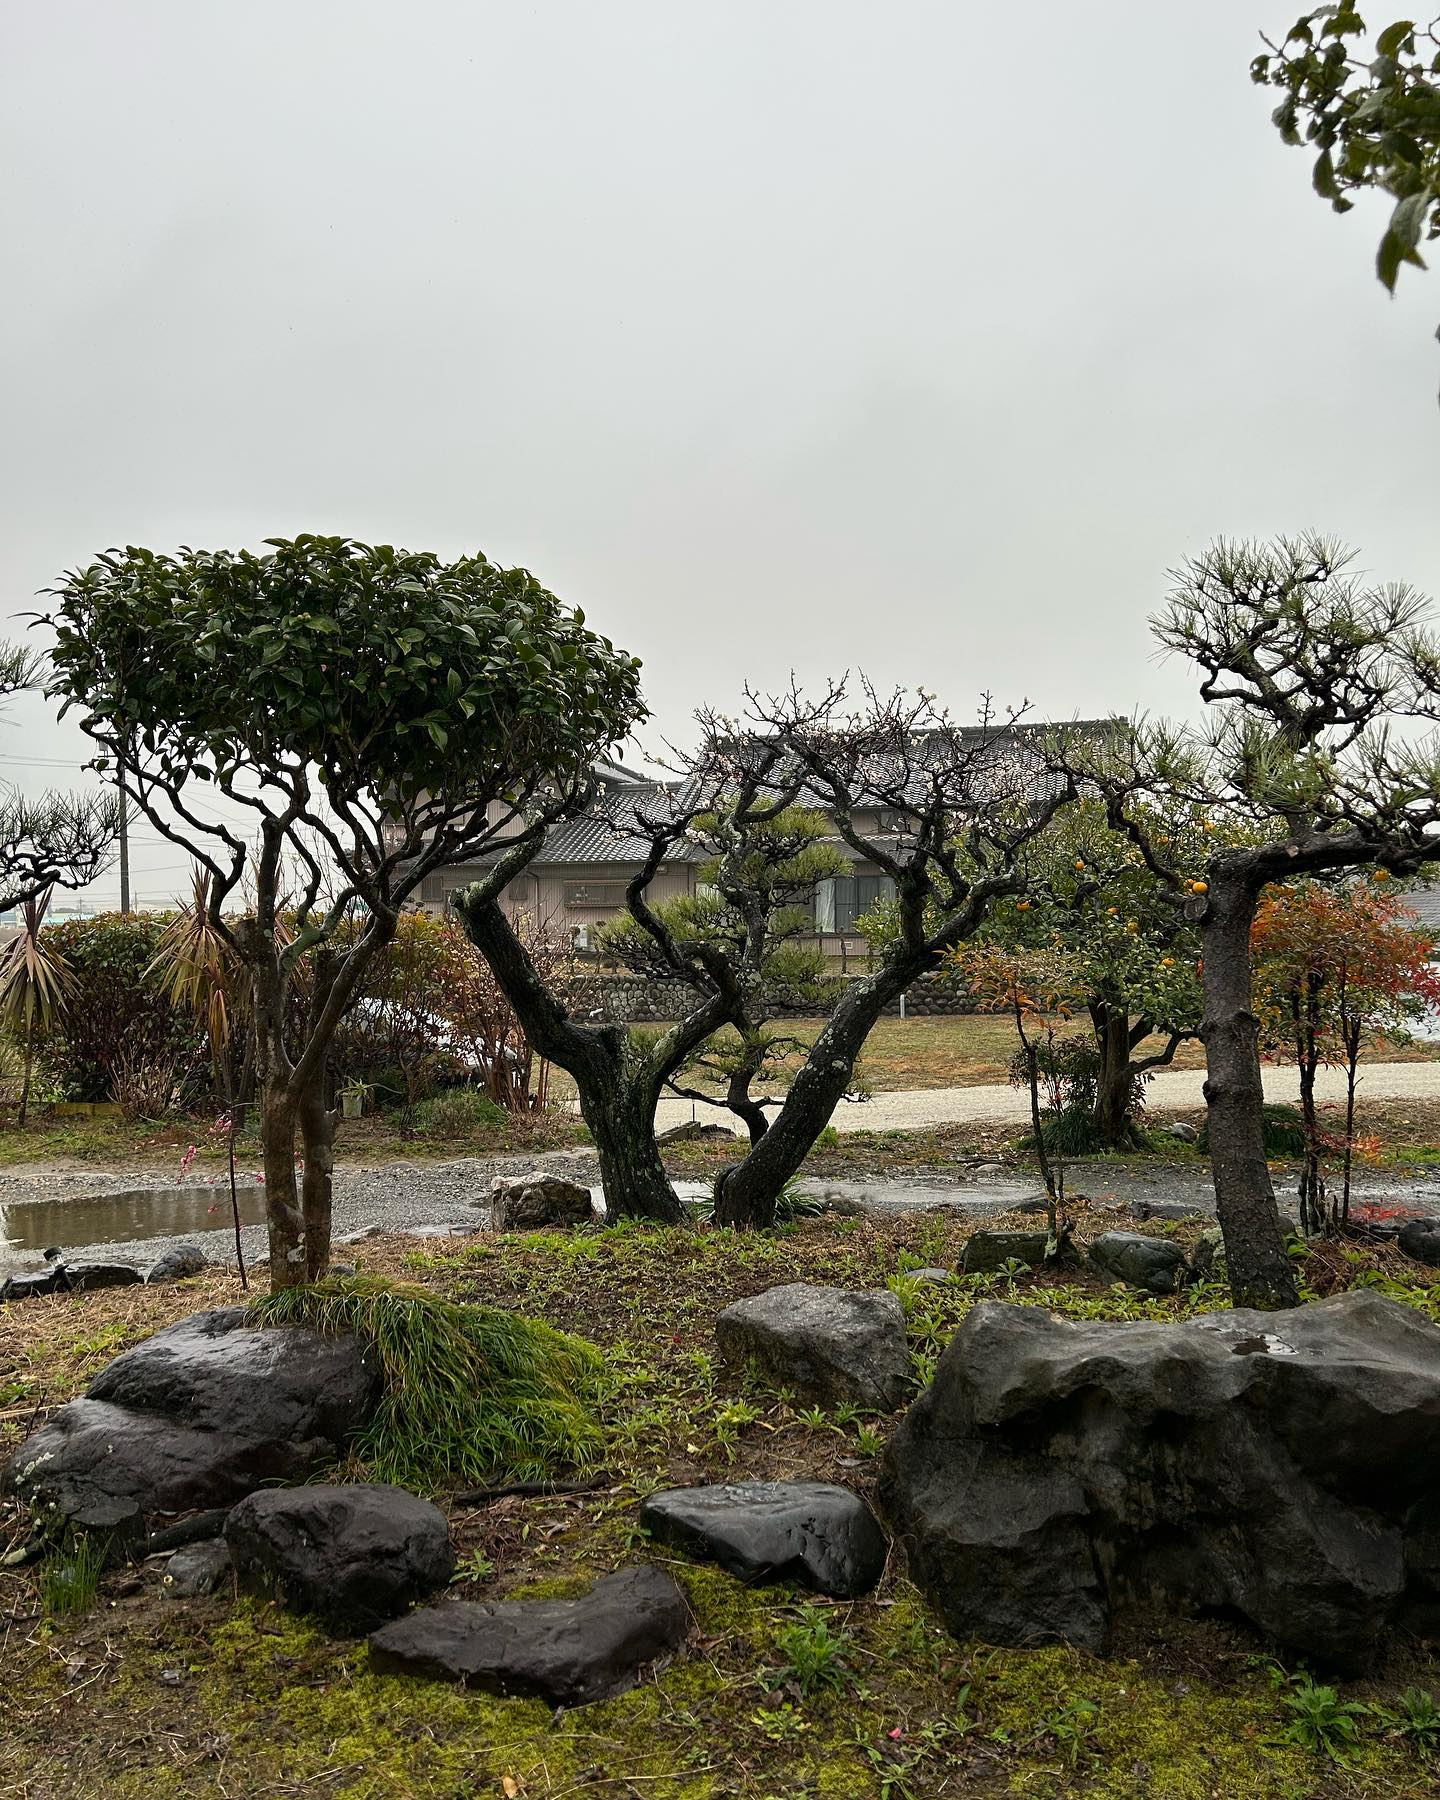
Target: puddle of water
x: 81, y: 1219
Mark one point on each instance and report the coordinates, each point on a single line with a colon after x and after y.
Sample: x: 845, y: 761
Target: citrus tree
x: 379, y: 714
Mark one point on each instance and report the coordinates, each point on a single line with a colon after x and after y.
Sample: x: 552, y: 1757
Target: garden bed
x: 146, y: 1697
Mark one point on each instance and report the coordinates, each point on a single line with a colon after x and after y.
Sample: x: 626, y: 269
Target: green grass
x: 467, y: 1390
x: 70, y: 1578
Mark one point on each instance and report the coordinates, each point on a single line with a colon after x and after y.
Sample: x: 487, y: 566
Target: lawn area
x: 231, y: 1698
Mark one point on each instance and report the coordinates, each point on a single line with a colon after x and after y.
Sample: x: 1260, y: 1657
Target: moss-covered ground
x: 234, y: 1699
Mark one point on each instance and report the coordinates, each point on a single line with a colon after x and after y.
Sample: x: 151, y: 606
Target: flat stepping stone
x: 199, y: 1415
x: 826, y: 1344
x: 565, y: 1652
x: 353, y: 1555
x: 816, y: 1534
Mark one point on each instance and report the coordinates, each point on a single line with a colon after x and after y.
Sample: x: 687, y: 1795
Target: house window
x: 840, y: 901
x: 595, y: 896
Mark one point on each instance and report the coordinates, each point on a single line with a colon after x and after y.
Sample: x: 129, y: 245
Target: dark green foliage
x: 117, y: 1007
x: 1371, y: 113
x: 360, y: 660
x: 468, y: 1391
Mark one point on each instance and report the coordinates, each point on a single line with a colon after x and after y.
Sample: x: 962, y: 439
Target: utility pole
x: 124, y: 850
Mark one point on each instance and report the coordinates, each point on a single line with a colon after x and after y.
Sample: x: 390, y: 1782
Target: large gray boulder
x: 826, y: 1344
x: 814, y: 1533
x: 538, y: 1201
x: 1282, y: 1466
x: 568, y: 1652
x: 198, y: 1416
x: 353, y: 1555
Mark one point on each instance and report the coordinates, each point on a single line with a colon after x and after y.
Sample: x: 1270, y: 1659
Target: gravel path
x: 40, y: 1206
x: 1178, y: 1089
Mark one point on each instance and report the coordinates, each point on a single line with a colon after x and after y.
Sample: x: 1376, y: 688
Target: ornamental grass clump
x: 467, y: 1391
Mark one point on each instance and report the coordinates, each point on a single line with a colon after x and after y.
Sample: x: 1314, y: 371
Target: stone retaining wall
x: 634, y: 1000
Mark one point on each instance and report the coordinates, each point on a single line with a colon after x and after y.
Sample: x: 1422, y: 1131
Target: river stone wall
x: 636, y: 1000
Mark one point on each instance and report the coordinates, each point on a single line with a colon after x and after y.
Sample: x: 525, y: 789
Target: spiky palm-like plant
x: 34, y: 983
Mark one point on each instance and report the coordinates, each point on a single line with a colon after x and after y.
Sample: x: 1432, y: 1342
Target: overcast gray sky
x: 803, y: 333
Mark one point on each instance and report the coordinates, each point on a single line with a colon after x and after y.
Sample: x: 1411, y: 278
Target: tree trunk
x: 29, y: 1064
x: 1113, y: 1083
x: 746, y: 1192
x: 621, y: 1116
x: 284, y: 1221
x: 618, y: 1090
x: 317, y: 1134
x: 738, y: 1098
x: 1261, y: 1273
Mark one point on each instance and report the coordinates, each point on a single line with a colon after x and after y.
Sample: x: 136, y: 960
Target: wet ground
x: 135, y: 1218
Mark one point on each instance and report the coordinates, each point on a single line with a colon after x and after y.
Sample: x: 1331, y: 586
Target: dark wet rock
x: 68, y: 1278
x: 1155, y: 1264
x: 197, y: 1570
x: 198, y: 1415
x: 826, y: 1344
x: 81, y: 1278
x: 566, y: 1652
x: 987, y: 1251
x: 178, y: 1264
x: 1166, y: 1209
x: 813, y: 1533
x: 26, y: 1284
x: 353, y: 1555
x: 538, y: 1201
x: 1275, y: 1465
x: 1420, y: 1240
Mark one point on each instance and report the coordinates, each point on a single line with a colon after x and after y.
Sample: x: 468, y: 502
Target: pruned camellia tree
x: 943, y: 811
x: 1323, y: 689
x: 373, y: 715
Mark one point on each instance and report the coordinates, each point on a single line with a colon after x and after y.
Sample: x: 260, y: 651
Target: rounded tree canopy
x: 386, y: 670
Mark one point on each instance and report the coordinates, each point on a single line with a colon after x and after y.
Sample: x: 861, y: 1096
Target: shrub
x: 458, y: 1113
x: 146, y: 1087
x: 466, y: 1390
x: 117, y: 1007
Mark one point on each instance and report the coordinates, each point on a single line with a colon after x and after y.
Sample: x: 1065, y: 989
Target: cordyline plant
x: 1323, y: 687
x: 59, y: 840
x: 34, y: 983
x: 381, y: 714
x: 1337, y: 968
x: 945, y: 811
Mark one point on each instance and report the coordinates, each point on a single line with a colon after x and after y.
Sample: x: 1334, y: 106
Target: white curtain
x: 825, y: 905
